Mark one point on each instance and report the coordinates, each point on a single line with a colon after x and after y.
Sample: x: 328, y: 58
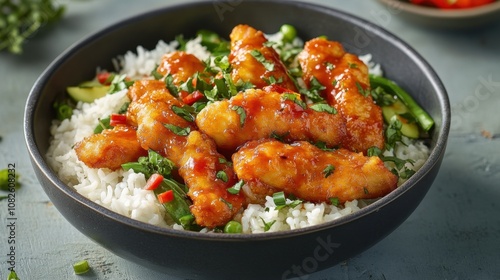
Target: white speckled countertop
x: 453, y: 234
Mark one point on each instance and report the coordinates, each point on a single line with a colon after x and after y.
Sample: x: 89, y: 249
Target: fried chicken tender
x: 212, y: 205
x: 254, y: 62
x: 152, y: 112
x: 343, y: 75
x: 181, y: 65
x: 310, y: 173
x: 257, y: 114
x: 194, y: 153
x: 110, y: 149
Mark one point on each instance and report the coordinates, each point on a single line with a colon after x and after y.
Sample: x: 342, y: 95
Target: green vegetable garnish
x: 236, y: 188
x: 181, y: 131
x: 81, y: 267
x: 12, y: 276
x: 241, y: 112
x: 424, y: 120
x: 7, y: 177
x: 294, y: 98
x: 323, y: 107
x: 103, y: 124
x: 328, y: 170
x: 222, y: 175
x: 64, y: 110
x: 178, y: 208
x: 233, y: 227
x: 334, y: 201
x: 289, y: 32
x: 269, y: 65
x: 19, y: 20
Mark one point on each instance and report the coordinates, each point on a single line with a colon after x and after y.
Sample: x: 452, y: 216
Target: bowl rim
x: 442, y: 13
x: 39, y: 161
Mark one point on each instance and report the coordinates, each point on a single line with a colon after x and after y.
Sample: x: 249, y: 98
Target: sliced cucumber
x: 87, y: 92
x: 398, y: 109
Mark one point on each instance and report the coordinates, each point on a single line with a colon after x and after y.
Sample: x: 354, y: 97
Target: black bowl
x: 263, y: 256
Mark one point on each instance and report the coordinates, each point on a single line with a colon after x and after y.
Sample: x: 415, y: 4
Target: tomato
x: 103, y: 77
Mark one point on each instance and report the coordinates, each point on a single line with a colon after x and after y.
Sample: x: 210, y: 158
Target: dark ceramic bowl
x: 452, y: 19
x: 263, y: 256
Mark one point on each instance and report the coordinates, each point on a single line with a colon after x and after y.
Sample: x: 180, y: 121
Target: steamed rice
x: 122, y: 191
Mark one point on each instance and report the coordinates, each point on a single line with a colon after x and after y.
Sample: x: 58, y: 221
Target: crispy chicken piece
x: 208, y: 176
x: 153, y: 112
x: 254, y: 62
x: 310, y: 173
x: 194, y: 153
x: 180, y: 65
x: 110, y: 149
x: 343, y: 75
x: 256, y: 114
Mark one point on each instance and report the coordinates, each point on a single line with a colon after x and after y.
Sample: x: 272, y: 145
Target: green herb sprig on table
x: 23, y: 18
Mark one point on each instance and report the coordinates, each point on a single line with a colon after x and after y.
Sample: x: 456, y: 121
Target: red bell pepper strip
x: 165, y: 197
x: 116, y: 119
x: 153, y: 182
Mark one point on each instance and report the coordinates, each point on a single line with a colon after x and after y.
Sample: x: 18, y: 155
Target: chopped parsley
x: 328, y: 170
x: 241, y: 112
x: 181, y: 131
x: 269, y: 65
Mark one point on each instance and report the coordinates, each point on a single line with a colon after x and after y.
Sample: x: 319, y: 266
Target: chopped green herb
x: 334, y: 201
x: 353, y: 65
x: 182, y: 42
x: 225, y: 161
x: 322, y: 145
x: 119, y: 83
x: 103, y: 124
x: 362, y: 91
x: 181, y: 131
x: 314, y: 91
x: 365, y: 190
x: 222, y: 175
x: 213, y: 42
x: 329, y: 65
x: 169, y: 83
x: 123, y: 108
x: 328, y: 170
x: 279, y: 137
x: 323, y: 107
x: 156, y: 75
x: 227, y: 203
x: 184, y: 112
x: 294, y: 98
x: 241, y: 112
x: 267, y: 225
x: 269, y: 65
x: 236, y: 188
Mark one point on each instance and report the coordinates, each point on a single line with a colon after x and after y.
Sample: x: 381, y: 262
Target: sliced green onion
x: 334, y: 201
x: 81, y: 267
x: 279, y: 198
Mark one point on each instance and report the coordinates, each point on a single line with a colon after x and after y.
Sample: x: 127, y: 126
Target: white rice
x: 122, y: 191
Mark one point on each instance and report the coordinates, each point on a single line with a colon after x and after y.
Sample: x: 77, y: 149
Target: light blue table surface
x: 453, y: 234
